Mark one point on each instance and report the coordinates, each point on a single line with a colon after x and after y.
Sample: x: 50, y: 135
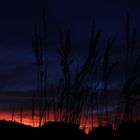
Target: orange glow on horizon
x: 27, y: 120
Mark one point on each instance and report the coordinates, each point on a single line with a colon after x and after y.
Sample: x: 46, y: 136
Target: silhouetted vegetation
x: 85, y: 91
x: 39, y: 44
x: 62, y: 130
x: 81, y: 91
x: 129, y: 96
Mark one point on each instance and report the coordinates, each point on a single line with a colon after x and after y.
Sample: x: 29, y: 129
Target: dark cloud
x: 18, y: 18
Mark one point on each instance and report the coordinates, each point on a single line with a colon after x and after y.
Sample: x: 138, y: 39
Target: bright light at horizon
x: 27, y: 120
x: 85, y: 125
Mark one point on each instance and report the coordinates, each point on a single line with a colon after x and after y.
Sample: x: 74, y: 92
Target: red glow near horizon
x: 27, y: 120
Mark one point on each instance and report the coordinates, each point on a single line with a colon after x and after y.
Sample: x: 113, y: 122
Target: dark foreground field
x: 62, y: 131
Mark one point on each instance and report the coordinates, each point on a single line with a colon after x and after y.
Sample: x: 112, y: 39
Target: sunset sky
x: 17, y: 20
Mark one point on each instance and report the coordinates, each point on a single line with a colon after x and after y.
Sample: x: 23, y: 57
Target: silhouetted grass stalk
x: 40, y: 49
